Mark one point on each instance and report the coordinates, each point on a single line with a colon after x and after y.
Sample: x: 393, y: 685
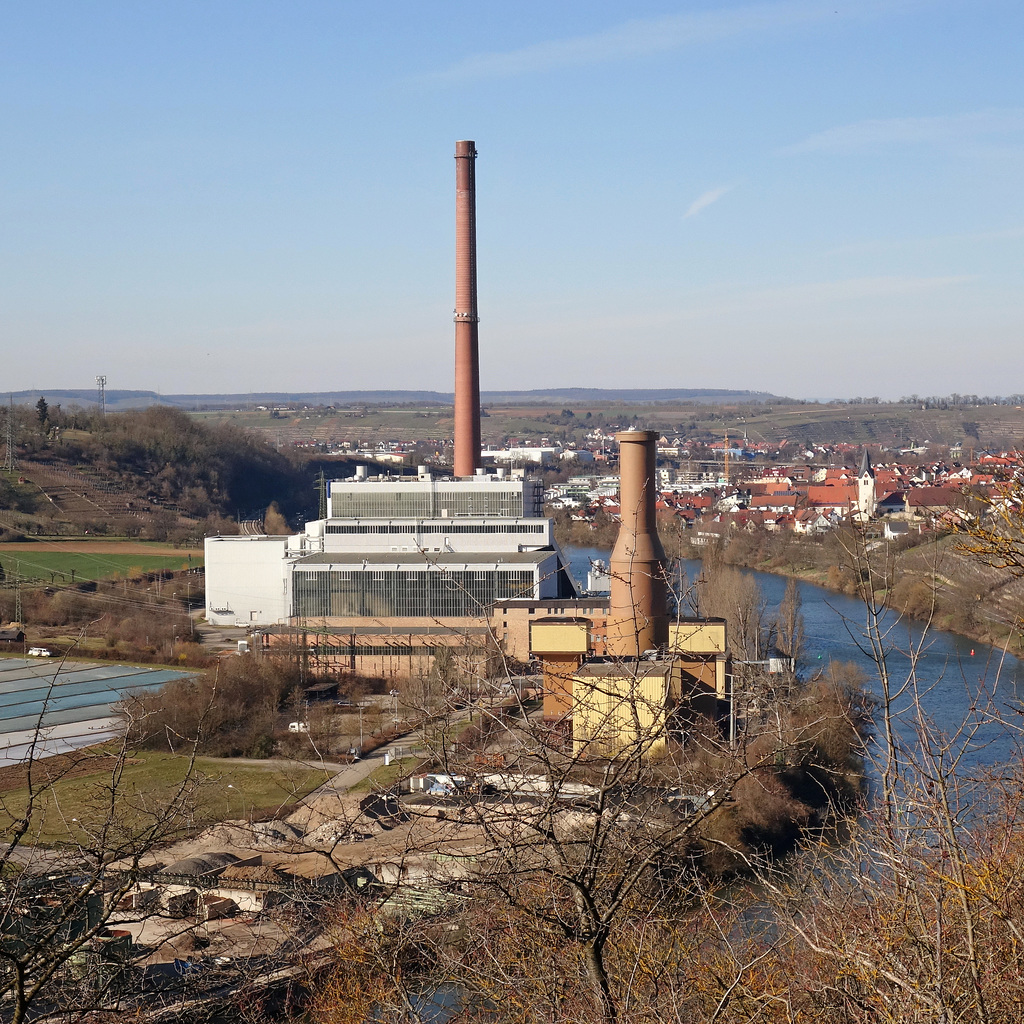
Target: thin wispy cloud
x: 643, y: 37
x: 906, y: 131
x: 702, y: 202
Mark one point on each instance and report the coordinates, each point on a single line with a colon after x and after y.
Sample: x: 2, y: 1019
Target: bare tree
x: 728, y: 593
x: 915, y: 916
x: 994, y: 530
x: 58, y: 904
x: 575, y: 855
x: 789, y: 623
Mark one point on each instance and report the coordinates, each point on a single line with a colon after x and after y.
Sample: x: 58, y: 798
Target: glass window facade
x: 361, y: 650
x: 444, y: 528
x: 329, y: 593
x: 386, y: 500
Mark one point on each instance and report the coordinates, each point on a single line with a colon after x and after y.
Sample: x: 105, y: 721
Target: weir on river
x: 952, y: 671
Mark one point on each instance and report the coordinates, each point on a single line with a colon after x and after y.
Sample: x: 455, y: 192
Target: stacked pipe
x: 638, y: 612
x: 467, y: 358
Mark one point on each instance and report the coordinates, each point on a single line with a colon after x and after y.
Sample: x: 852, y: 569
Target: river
x: 953, y: 673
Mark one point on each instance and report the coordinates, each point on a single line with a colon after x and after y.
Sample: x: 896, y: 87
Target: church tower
x: 867, y: 499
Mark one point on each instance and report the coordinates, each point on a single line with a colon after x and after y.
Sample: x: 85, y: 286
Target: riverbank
x: 949, y: 671
x: 925, y: 577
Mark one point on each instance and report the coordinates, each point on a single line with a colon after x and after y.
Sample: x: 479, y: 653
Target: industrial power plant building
x: 409, y: 570
x: 418, y: 563
x: 402, y: 567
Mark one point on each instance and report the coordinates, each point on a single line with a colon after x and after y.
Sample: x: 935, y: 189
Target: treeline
x: 923, y: 575
x: 136, y: 619
x: 621, y: 907
x: 227, y: 711
x: 802, y: 766
x: 235, y: 709
x: 910, y: 911
x: 164, y: 454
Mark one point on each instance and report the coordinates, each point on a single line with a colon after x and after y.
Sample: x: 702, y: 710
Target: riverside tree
x: 602, y: 907
x: 916, y: 915
x: 565, y: 881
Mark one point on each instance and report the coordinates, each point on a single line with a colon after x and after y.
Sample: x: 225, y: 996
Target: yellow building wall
x: 611, y: 712
x: 560, y: 637
x: 558, y: 683
x: 618, y: 710
x: 511, y: 624
x: 697, y: 637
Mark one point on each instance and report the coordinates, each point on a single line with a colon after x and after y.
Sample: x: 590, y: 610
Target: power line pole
x: 101, y: 385
x: 322, y: 488
x: 10, y: 461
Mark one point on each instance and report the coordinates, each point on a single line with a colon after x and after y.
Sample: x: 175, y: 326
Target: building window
x: 328, y: 593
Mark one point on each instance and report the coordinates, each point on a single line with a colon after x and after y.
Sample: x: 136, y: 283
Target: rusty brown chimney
x: 467, y: 357
x: 638, y: 614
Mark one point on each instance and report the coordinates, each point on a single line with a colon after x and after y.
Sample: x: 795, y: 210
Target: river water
x: 953, y: 676
x: 953, y: 673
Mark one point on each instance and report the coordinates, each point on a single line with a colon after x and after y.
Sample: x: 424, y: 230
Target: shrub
x: 232, y: 710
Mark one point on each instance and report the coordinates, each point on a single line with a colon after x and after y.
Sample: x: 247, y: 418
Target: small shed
x: 12, y: 633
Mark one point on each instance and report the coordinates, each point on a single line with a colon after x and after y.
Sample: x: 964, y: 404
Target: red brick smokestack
x: 467, y: 357
x: 638, y: 615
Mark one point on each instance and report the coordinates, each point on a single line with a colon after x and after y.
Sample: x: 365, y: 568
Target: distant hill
x: 120, y: 400
x: 638, y: 395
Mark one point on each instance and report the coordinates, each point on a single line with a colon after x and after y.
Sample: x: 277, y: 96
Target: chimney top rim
x: 637, y: 435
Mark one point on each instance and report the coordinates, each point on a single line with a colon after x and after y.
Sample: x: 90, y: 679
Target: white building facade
x: 405, y: 547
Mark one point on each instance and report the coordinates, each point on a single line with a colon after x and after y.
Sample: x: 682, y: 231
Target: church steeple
x: 867, y: 498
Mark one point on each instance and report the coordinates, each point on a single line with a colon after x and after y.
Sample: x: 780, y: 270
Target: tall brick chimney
x: 467, y: 357
x: 638, y: 613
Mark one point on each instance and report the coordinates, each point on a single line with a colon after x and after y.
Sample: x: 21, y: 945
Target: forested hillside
x: 139, y: 471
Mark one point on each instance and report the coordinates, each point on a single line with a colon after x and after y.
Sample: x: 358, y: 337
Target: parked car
x: 40, y: 652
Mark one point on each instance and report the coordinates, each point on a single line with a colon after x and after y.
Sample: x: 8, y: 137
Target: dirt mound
x: 327, y: 807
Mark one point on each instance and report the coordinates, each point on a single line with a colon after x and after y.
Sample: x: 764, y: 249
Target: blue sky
x: 813, y: 199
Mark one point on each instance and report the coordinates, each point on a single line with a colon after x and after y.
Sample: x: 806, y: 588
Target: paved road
x: 217, y: 638
x: 349, y: 775
x: 342, y: 775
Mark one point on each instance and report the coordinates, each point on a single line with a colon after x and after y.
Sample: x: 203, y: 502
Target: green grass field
x: 74, y: 566
x: 74, y: 807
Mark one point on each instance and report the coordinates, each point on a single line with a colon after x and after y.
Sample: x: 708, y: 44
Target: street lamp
x: 241, y: 796
x: 394, y: 696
